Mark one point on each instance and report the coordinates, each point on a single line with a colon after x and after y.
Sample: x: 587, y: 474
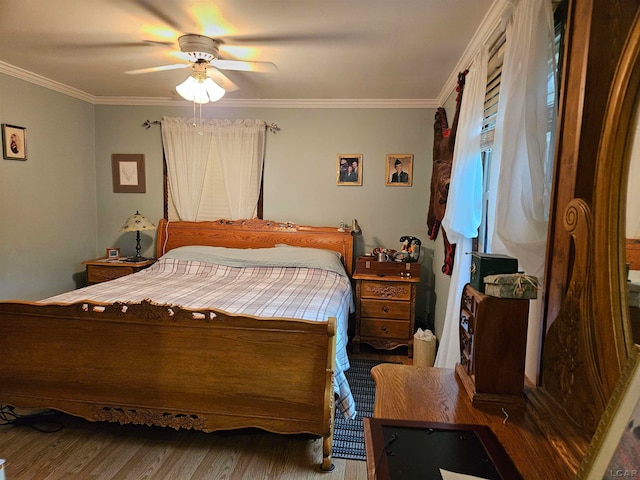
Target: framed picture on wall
x: 399, y: 170
x: 349, y: 169
x: 615, y: 447
x: 128, y: 173
x: 14, y: 142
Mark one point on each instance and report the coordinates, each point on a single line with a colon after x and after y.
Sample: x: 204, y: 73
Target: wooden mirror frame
x: 588, y: 337
x: 610, y: 199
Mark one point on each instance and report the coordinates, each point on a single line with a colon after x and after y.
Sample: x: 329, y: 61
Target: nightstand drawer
x: 384, y: 328
x: 97, y: 274
x: 388, y: 290
x: 385, y: 309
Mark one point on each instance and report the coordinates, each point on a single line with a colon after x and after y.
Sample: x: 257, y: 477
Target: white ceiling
x: 381, y: 52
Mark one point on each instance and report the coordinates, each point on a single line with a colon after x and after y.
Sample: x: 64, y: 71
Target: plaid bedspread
x: 289, y: 292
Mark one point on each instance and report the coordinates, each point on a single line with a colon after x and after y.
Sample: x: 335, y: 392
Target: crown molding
x: 491, y: 23
x: 275, y: 102
x: 41, y: 81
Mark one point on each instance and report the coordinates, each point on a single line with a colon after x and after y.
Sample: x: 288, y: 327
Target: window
x: 492, y: 95
x: 494, y: 76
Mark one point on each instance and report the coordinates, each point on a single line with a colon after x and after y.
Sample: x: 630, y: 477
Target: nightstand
x: 103, y: 269
x: 386, y: 307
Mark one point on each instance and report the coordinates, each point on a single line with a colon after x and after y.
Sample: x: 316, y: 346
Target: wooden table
x: 405, y: 392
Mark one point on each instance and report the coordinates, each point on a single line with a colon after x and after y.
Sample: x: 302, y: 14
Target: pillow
x: 280, y: 256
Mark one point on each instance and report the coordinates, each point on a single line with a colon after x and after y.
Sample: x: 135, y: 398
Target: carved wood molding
x: 387, y: 291
x: 259, y: 224
x: 149, y: 417
x: 146, y: 311
x: 570, y: 374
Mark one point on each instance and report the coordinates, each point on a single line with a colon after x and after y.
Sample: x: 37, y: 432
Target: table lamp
x: 135, y: 223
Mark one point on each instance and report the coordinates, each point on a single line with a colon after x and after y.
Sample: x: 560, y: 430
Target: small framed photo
x: 349, y: 169
x: 128, y: 173
x: 399, y: 170
x: 113, y: 253
x: 14, y: 142
x: 615, y: 447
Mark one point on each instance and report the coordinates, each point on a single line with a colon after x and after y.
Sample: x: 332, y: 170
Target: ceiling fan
x: 202, y: 54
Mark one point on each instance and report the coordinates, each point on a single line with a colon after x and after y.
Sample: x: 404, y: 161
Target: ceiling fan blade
x: 156, y: 12
x: 157, y: 43
x: 289, y: 38
x: 156, y: 69
x: 244, y: 66
x: 221, y: 79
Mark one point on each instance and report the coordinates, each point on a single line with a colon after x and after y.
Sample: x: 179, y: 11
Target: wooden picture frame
x: 14, y: 142
x: 349, y: 169
x: 128, y: 173
x: 394, y: 443
x: 113, y: 253
x: 402, y: 177
x: 615, y: 447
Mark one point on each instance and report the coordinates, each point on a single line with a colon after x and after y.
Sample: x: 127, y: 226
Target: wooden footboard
x: 168, y: 366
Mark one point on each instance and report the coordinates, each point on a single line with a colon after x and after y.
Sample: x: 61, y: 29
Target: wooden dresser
x: 102, y: 269
x: 428, y: 394
x: 385, y: 309
x: 493, y: 340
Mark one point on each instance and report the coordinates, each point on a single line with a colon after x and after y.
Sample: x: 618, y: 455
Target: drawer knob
x: 384, y: 329
x: 385, y: 309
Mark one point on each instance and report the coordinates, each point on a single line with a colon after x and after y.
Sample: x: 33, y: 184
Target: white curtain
x: 240, y: 147
x: 522, y: 161
x: 464, y: 202
x: 522, y: 154
x: 187, y: 155
x: 214, y: 167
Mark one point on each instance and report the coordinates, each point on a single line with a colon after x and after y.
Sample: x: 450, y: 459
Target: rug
x: 348, y: 435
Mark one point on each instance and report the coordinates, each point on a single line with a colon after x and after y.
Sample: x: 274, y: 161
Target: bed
x: 114, y: 352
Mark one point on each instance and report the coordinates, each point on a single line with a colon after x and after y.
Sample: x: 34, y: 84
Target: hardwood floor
x: 84, y: 450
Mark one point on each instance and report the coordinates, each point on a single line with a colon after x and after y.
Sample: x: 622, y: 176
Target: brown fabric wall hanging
x: 444, y: 139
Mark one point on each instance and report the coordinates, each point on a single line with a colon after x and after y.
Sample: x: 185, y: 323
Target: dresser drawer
x: 388, y: 290
x: 385, y: 309
x: 96, y: 274
x: 384, y: 328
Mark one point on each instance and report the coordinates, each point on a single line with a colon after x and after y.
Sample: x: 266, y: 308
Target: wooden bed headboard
x: 253, y: 234
x: 633, y: 253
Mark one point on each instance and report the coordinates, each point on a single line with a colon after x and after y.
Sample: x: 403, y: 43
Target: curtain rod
x: 271, y: 127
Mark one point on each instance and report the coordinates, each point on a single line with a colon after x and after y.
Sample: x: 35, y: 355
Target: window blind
x: 492, y: 95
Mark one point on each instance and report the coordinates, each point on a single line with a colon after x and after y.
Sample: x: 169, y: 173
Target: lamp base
x: 136, y: 258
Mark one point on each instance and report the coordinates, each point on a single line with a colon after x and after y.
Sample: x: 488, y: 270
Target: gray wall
x: 59, y: 209
x: 48, y: 203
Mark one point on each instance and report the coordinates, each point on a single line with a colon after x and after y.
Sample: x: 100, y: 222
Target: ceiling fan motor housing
x: 199, y: 47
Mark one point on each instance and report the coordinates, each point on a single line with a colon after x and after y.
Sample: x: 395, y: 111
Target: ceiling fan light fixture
x: 199, y: 90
